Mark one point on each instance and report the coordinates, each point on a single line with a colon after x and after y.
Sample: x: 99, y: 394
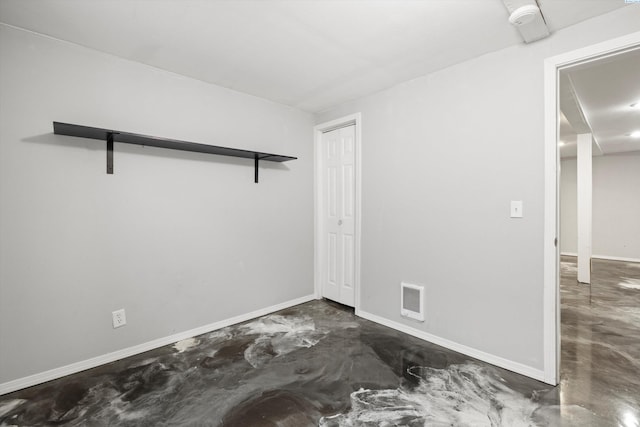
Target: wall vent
x: 412, y: 301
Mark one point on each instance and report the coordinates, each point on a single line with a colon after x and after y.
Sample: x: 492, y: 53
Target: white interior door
x: 338, y: 216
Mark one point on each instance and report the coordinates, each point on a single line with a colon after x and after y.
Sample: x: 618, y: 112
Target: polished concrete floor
x: 600, y: 363
x: 318, y: 364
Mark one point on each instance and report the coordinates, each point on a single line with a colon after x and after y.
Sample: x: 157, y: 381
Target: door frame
x: 318, y: 131
x: 551, y: 293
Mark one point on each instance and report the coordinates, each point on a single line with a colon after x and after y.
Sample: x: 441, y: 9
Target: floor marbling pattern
x: 600, y: 368
x: 318, y: 364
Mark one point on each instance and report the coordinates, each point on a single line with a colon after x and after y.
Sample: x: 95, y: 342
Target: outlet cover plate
x: 118, y: 318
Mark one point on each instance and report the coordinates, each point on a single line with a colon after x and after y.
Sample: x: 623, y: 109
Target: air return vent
x: 412, y: 301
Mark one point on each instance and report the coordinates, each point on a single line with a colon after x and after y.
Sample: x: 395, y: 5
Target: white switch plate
x: 516, y: 209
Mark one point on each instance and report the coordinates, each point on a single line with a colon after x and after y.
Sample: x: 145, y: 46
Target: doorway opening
x: 559, y: 70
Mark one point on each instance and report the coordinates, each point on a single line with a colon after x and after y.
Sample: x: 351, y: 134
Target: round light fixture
x: 561, y: 143
x: 635, y: 134
x: 524, y: 15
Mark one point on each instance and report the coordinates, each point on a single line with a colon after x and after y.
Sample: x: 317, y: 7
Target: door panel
x: 332, y: 193
x: 347, y: 191
x: 347, y: 244
x: 331, y: 284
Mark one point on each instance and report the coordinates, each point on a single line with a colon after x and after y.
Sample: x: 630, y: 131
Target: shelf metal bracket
x: 110, y: 153
x: 256, y: 160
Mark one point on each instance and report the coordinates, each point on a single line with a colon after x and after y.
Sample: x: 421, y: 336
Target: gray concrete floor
x: 319, y: 364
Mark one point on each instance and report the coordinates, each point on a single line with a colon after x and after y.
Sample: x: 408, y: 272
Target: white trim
x: 460, y: 348
x: 609, y: 257
x: 318, y: 130
x: 551, y: 337
x: 551, y: 245
x: 73, y: 368
x: 616, y: 258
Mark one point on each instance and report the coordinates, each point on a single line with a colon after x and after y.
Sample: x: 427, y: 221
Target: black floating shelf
x: 111, y: 136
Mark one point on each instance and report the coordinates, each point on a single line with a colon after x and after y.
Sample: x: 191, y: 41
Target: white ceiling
x: 596, y: 98
x: 307, y: 54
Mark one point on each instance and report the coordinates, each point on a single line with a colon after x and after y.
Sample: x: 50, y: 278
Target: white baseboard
x: 615, y: 258
x: 73, y: 368
x: 460, y: 348
x: 607, y: 257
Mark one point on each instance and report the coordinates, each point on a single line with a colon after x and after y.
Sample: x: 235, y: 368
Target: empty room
x: 319, y: 213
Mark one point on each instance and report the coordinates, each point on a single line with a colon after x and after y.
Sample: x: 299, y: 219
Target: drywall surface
x: 442, y: 157
x: 569, y: 206
x: 177, y: 239
x: 616, y: 206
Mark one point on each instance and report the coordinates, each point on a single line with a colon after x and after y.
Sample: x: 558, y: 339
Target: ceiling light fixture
x: 635, y: 105
x: 635, y: 134
x: 561, y: 143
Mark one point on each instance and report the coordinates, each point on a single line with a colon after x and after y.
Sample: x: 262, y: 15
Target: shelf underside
x: 152, y: 141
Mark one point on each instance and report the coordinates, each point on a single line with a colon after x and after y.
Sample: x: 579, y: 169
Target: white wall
x: 616, y: 206
x: 569, y: 206
x: 442, y: 157
x: 180, y: 240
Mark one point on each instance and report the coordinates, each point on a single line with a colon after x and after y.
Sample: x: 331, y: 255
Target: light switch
x: 516, y: 209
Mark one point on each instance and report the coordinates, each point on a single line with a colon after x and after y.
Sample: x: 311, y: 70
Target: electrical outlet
x: 119, y: 318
